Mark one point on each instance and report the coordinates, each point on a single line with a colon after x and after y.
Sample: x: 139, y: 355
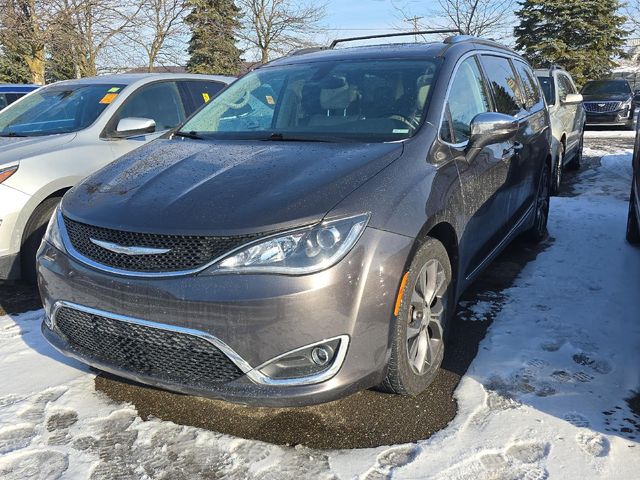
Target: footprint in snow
x: 34, y: 465
x: 34, y: 409
x: 517, y: 461
x: 593, y: 443
x: 598, y: 365
x: 577, y: 420
x: 16, y: 437
x: 389, y: 460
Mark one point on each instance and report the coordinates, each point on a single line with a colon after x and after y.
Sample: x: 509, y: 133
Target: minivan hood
x: 18, y: 148
x: 225, y: 187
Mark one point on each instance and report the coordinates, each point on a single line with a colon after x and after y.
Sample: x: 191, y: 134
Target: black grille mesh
x: 601, y: 107
x: 187, y: 252
x: 168, y: 356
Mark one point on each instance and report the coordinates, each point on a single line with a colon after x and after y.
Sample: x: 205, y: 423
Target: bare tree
x: 279, y: 26
x: 159, y: 31
x: 98, y: 25
x: 482, y: 18
x: 26, y: 27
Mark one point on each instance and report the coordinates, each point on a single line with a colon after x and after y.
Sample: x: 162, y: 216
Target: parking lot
x: 538, y: 376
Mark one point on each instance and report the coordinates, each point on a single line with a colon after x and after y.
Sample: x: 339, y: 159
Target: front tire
x: 633, y: 229
x: 538, y: 231
x: 418, y: 343
x: 33, y: 233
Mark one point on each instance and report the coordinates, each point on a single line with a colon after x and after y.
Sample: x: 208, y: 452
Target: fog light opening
x: 321, y: 355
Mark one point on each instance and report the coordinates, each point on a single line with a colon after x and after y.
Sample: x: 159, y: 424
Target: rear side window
x: 197, y: 92
x: 3, y: 101
x: 503, y: 80
x: 467, y: 98
x: 160, y: 102
x: 549, y: 91
x: 530, y: 87
x: 565, y: 87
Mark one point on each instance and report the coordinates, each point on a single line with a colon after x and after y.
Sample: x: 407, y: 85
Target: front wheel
x: 633, y: 229
x: 538, y: 231
x: 418, y: 343
x: 33, y: 233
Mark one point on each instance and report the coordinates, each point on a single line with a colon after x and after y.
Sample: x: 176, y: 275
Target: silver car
x: 567, y: 120
x: 56, y: 136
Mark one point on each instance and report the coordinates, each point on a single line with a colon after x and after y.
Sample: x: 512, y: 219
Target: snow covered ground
x: 545, y: 397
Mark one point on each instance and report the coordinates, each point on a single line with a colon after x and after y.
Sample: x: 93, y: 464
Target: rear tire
x: 33, y: 233
x: 538, y: 231
x: 418, y: 344
x: 633, y: 229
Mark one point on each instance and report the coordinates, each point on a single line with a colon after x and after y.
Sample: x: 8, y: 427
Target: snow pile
x: 543, y: 399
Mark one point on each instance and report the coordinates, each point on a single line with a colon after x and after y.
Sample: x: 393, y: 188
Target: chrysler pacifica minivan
x: 308, y: 232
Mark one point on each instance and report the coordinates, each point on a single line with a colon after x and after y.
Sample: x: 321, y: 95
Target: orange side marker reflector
x: 400, y: 293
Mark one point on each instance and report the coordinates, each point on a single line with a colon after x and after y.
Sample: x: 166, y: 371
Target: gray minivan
x: 308, y: 233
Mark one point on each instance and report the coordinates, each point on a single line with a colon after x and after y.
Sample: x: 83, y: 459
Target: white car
x: 59, y: 134
x: 568, y: 119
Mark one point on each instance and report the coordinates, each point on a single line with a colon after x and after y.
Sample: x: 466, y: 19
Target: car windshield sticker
x: 108, y: 98
x: 206, y: 97
x: 270, y: 100
x: 113, y: 90
x: 400, y: 130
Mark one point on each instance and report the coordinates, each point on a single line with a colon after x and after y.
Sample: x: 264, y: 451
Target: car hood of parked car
x: 607, y: 97
x: 13, y: 149
x: 195, y: 187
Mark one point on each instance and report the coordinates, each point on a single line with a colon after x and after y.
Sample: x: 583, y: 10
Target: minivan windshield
x: 364, y: 100
x: 60, y: 108
x: 598, y: 87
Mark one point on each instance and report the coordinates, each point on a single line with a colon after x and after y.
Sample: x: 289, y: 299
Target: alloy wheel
x: 426, y: 315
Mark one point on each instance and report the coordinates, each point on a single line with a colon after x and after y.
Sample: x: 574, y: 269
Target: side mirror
x: 133, y: 126
x: 490, y: 128
x: 572, y: 99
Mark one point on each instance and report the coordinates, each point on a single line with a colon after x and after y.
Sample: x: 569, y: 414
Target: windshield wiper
x: 12, y: 134
x: 279, y: 137
x: 193, y: 135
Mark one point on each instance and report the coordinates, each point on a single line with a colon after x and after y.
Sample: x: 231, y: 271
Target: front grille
x: 168, y: 356
x: 601, y: 107
x: 186, y: 252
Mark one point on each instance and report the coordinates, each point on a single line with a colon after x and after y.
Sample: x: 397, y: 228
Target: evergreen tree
x: 212, y: 48
x: 584, y: 36
x: 13, y: 68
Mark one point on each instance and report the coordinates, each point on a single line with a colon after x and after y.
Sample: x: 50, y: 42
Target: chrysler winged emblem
x: 115, y: 248
x: 602, y: 105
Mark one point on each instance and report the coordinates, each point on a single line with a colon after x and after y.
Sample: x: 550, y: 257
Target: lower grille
x: 601, y: 107
x: 171, y: 357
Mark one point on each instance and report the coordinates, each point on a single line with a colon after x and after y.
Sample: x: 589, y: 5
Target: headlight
x: 626, y: 104
x: 297, y: 252
x: 52, y: 234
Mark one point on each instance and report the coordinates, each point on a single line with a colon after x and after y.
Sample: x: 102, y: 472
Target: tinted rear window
x: 506, y: 90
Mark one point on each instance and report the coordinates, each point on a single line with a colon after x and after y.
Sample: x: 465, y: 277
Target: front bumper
x: 258, y: 317
x: 12, y: 203
x: 618, y: 117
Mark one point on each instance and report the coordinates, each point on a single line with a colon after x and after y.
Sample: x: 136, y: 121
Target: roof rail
x: 302, y: 51
x: 388, y: 35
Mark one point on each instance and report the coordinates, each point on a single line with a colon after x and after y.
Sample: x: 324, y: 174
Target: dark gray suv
x: 308, y: 232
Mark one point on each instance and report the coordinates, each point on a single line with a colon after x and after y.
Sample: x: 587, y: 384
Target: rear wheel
x: 633, y: 229
x: 33, y: 233
x: 418, y: 343
x: 538, y: 231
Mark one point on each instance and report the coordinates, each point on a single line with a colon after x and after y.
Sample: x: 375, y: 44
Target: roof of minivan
x: 392, y: 50
x: 130, y: 78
